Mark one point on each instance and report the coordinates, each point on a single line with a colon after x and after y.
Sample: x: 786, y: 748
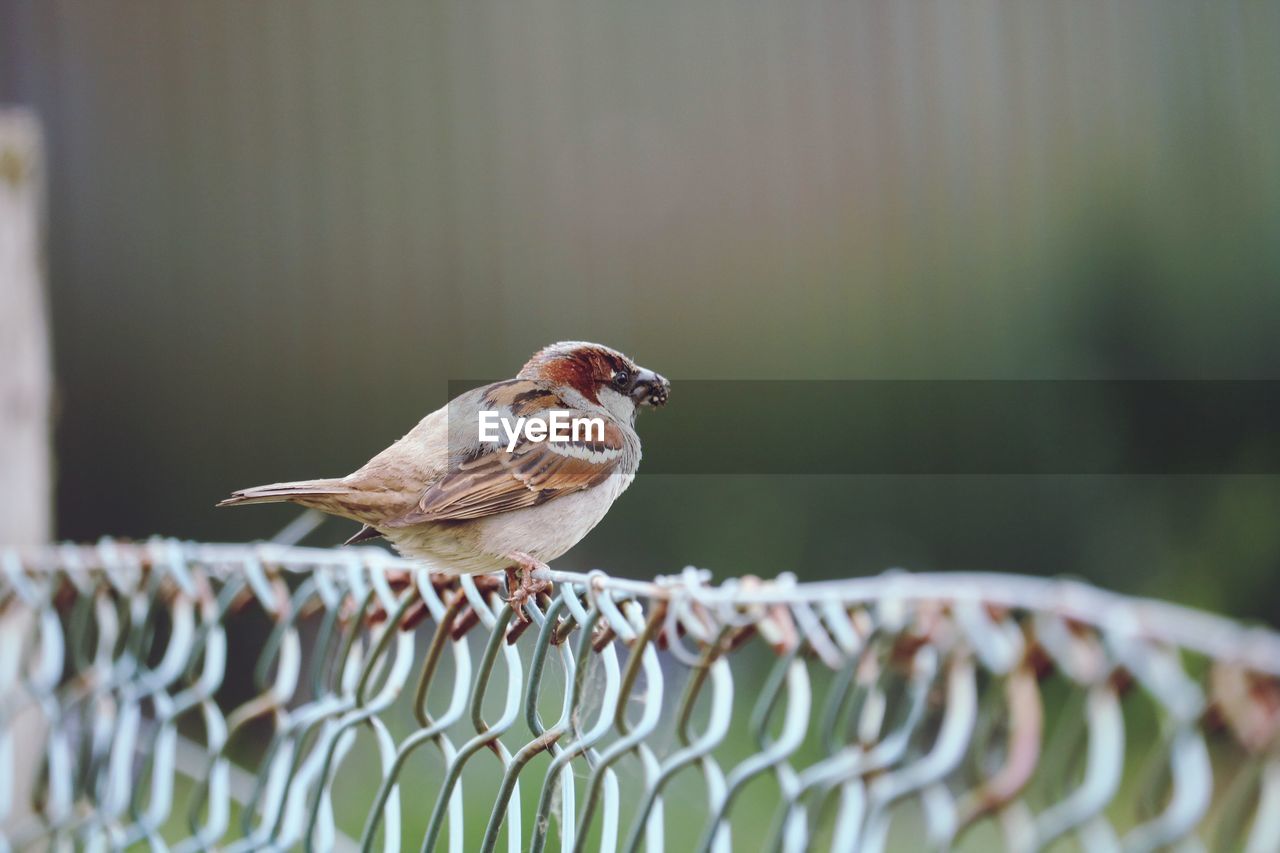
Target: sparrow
x: 462, y: 501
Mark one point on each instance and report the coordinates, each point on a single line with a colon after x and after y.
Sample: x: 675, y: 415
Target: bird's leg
x: 521, y: 584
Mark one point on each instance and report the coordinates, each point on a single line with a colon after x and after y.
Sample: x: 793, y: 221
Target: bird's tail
x: 311, y: 493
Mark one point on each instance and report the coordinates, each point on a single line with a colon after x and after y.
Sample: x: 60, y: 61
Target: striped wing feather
x: 532, y: 473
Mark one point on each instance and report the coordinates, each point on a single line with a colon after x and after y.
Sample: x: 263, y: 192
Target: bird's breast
x: 551, y: 529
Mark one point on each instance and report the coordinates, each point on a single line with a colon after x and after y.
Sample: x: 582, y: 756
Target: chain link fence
x: 185, y: 696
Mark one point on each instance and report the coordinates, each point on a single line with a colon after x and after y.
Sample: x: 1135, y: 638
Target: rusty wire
x: 383, y: 707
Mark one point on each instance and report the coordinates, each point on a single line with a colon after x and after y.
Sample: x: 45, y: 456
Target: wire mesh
x: 188, y: 696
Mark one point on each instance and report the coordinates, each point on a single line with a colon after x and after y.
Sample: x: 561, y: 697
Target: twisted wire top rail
x: 1254, y: 647
x: 196, y: 696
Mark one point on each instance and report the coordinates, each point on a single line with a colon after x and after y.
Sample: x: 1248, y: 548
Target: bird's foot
x: 522, y: 586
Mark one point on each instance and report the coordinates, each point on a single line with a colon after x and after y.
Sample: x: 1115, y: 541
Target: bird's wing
x: 495, y: 479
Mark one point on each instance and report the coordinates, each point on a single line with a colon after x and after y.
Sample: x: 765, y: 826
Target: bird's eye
x: 621, y: 379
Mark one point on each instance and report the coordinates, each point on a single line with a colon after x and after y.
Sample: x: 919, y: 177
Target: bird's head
x: 600, y: 374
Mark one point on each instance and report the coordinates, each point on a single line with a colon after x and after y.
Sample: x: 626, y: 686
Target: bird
x: 463, y: 496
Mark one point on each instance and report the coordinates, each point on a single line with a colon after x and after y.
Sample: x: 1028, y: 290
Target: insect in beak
x: 650, y: 389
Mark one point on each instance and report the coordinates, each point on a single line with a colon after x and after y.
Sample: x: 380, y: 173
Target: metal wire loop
x: 240, y: 697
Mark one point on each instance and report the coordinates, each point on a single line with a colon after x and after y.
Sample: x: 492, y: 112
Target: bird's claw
x: 522, y: 586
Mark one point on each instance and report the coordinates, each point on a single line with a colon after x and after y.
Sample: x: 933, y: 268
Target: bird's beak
x: 650, y: 389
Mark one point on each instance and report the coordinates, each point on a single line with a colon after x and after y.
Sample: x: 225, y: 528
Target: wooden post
x: 26, y: 489
x: 25, y: 377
